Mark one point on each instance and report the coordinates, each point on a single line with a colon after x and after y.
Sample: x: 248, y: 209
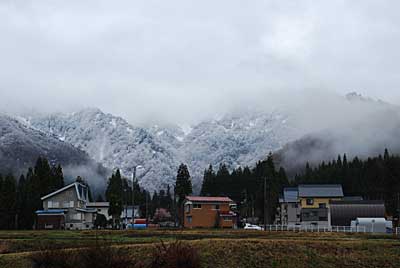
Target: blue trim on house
x: 50, y: 211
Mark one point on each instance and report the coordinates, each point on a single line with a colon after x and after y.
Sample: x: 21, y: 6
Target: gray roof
x: 320, y: 190
x: 290, y: 194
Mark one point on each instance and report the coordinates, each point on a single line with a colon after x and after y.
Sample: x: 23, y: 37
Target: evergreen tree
x: 183, y: 185
x: 208, y: 182
x: 8, y: 202
x: 22, y: 204
x: 169, y: 202
x: 114, y: 195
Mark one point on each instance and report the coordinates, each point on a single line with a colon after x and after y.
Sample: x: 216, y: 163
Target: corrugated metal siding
x: 342, y: 213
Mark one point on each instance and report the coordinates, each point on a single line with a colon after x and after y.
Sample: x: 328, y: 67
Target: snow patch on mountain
x: 112, y: 141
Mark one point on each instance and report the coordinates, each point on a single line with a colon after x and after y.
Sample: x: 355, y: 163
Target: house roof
x: 75, y: 184
x: 320, y: 190
x: 358, y: 202
x: 218, y: 199
x: 290, y: 194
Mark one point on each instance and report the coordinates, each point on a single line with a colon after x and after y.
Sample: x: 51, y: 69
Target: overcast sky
x: 184, y: 60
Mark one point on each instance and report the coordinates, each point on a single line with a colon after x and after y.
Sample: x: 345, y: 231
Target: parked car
x: 249, y: 226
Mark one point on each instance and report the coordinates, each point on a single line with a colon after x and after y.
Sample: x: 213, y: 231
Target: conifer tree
x: 208, y: 182
x: 8, y: 201
x: 114, y: 194
x: 183, y: 185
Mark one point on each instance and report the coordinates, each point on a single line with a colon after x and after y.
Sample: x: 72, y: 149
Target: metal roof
x: 209, y: 199
x: 77, y: 186
x: 290, y: 194
x: 320, y: 190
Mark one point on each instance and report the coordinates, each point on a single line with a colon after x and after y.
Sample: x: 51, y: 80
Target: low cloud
x: 181, y: 62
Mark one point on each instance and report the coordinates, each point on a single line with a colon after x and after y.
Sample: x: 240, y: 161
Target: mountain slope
x: 313, y: 130
x: 377, y: 128
x: 21, y: 145
x: 111, y: 141
x: 235, y: 140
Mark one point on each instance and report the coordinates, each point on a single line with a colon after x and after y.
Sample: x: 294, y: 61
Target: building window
x: 71, y: 204
x: 187, y: 208
x: 50, y: 204
x: 56, y: 204
x: 296, y: 205
x: 322, y: 205
x: 310, y: 201
x: 323, y: 219
x: 216, y: 207
x: 197, y: 206
x: 227, y: 218
x: 189, y: 219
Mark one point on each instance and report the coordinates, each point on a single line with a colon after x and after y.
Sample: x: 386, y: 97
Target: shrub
x: 92, y: 257
x: 175, y: 255
x: 53, y: 259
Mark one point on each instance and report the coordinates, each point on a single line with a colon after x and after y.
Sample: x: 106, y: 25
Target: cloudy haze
x: 181, y: 61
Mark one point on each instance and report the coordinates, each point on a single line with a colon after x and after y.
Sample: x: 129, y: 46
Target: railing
x: 318, y: 229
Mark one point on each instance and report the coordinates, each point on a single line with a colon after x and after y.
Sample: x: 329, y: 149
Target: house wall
x: 55, y: 222
x: 68, y: 201
x: 63, y: 197
x: 206, y: 216
x: 317, y: 201
x: 289, y: 213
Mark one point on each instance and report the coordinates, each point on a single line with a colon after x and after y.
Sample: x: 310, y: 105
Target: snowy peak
x: 115, y: 143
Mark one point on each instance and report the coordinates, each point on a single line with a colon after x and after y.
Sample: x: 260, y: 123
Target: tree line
x: 120, y: 194
x: 20, y: 198
x: 374, y: 178
x: 246, y: 187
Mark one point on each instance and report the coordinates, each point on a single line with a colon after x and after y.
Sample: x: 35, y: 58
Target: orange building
x: 208, y: 212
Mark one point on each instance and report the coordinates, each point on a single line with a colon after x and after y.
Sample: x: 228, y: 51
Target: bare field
x: 217, y: 248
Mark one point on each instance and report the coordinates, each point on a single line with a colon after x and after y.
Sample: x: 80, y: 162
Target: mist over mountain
x: 364, y: 131
x: 232, y: 139
x: 21, y: 145
x: 311, y: 128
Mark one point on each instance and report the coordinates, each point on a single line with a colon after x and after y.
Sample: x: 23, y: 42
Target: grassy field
x: 217, y: 248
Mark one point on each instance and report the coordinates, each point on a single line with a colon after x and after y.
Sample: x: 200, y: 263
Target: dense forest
x: 246, y: 187
x: 375, y: 178
x: 20, y: 198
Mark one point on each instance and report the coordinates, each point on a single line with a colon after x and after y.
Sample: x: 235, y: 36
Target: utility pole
x: 146, y: 208
x: 126, y: 206
x: 265, y: 203
x: 133, y: 194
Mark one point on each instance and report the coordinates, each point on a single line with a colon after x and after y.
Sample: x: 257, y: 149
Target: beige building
x: 66, y: 208
x: 308, y: 205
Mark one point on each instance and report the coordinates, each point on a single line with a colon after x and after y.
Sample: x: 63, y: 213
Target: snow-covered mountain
x: 353, y: 124
x: 21, y: 145
x: 112, y: 141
